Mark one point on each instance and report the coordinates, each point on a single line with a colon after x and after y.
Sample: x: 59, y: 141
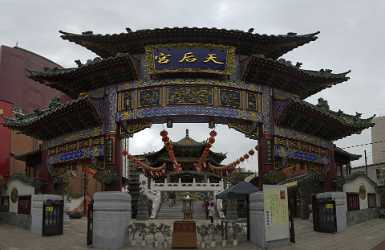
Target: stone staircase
x: 176, y: 212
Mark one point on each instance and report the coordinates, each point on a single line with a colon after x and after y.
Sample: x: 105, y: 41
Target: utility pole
x: 366, y: 162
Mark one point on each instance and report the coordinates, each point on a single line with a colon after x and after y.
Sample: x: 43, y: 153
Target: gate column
x: 111, y: 216
x: 265, y: 153
x: 37, y: 210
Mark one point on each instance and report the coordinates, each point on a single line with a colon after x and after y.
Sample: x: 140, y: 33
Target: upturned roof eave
x: 282, y: 43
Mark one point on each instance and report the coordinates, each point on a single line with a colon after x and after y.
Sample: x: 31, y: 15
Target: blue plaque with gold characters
x: 206, y: 58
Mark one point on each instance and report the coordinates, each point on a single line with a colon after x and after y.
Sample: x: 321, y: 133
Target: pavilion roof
x: 345, y: 156
x: 133, y: 42
x: 57, y: 119
x: 186, y: 150
x: 281, y: 74
x: 318, y: 119
x: 94, y: 74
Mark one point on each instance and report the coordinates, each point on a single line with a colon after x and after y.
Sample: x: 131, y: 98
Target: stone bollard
x: 66, y: 218
x: 37, y: 210
x: 111, y: 216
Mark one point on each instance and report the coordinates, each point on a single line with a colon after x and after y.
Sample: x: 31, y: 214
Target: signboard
x: 207, y: 58
x: 292, y: 149
x: 276, y: 212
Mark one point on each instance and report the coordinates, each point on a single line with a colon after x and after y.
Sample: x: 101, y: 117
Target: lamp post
x: 187, y: 207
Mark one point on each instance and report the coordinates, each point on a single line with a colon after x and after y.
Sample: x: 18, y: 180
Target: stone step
x: 176, y: 212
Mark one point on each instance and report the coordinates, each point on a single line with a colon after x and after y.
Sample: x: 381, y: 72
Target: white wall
x: 354, y: 186
x: 22, y: 189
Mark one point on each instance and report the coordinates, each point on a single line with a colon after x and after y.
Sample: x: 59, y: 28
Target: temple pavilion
x: 196, y: 75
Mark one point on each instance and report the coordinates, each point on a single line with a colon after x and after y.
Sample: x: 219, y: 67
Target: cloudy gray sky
x: 352, y: 37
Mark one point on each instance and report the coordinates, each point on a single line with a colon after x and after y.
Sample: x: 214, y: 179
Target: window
x: 380, y: 174
x: 372, y: 203
x: 24, y: 205
x: 353, y: 201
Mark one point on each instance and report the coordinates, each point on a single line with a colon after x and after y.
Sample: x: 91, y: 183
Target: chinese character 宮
x: 188, y: 57
x: 162, y: 58
x: 212, y: 58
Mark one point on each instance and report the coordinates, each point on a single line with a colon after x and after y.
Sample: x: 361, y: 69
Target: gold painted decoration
x: 190, y: 57
x: 230, y: 98
x: 202, y: 95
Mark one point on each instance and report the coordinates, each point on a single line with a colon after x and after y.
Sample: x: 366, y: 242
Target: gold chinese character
x: 162, y: 58
x: 188, y: 57
x: 212, y: 58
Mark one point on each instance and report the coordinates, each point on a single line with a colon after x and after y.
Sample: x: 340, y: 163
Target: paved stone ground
x: 364, y: 236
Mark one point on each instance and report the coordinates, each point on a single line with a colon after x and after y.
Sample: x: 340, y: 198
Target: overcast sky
x: 352, y: 37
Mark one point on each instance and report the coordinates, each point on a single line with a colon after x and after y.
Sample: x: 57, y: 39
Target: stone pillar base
x: 111, y: 216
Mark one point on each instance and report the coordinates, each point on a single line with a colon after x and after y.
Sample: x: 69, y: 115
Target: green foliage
x: 273, y: 177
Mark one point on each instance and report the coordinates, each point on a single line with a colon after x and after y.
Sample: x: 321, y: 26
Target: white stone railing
x: 190, y: 186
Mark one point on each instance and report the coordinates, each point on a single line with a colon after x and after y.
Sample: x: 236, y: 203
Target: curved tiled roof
x: 281, y: 74
x: 134, y: 42
x: 94, y: 74
x: 57, y: 120
x: 319, y: 120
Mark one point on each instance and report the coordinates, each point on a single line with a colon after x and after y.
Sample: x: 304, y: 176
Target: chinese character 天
x: 212, y: 58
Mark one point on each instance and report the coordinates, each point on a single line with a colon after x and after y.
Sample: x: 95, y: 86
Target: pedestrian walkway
x: 364, y: 236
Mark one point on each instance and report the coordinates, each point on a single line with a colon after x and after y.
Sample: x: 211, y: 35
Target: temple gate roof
x: 92, y: 75
x: 282, y: 74
x: 318, y: 119
x: 57, y: 119
x: 134, y: 42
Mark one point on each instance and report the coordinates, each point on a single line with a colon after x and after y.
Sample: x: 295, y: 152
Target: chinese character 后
x: 212, y: 58
x: 162, y: 58
x: 188, y: 57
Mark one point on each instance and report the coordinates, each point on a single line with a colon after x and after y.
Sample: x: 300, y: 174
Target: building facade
x: 378, y: 140
x: 20, y: 94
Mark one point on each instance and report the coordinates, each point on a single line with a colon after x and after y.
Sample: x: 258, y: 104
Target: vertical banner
x: 276, y: 212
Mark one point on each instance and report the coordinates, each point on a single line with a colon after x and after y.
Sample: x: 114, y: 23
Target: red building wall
x: 17, y: 90
x: 5, y: 139
x: 16, y: 87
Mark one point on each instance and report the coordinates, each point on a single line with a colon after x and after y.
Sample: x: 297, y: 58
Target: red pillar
x: 44, y: 175
x: 265, y: 153
x: 332, y: 171
x: 118, y: 158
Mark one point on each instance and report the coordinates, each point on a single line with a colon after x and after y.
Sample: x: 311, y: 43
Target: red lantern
x: 238, y: 162
x: 242, y: 159
x: 211, y: 140
x: 163, y: 133
x: 213, y: 133
x: 251, y: 151
x: 246, y: 156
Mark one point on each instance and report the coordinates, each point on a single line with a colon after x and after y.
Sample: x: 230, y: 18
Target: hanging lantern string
x: 170, y: 150
x: 143, y: 166
x: 229, y: 168
x: 205, y: 153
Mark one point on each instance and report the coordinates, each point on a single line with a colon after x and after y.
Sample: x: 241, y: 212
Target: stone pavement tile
x: 364, y: 236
